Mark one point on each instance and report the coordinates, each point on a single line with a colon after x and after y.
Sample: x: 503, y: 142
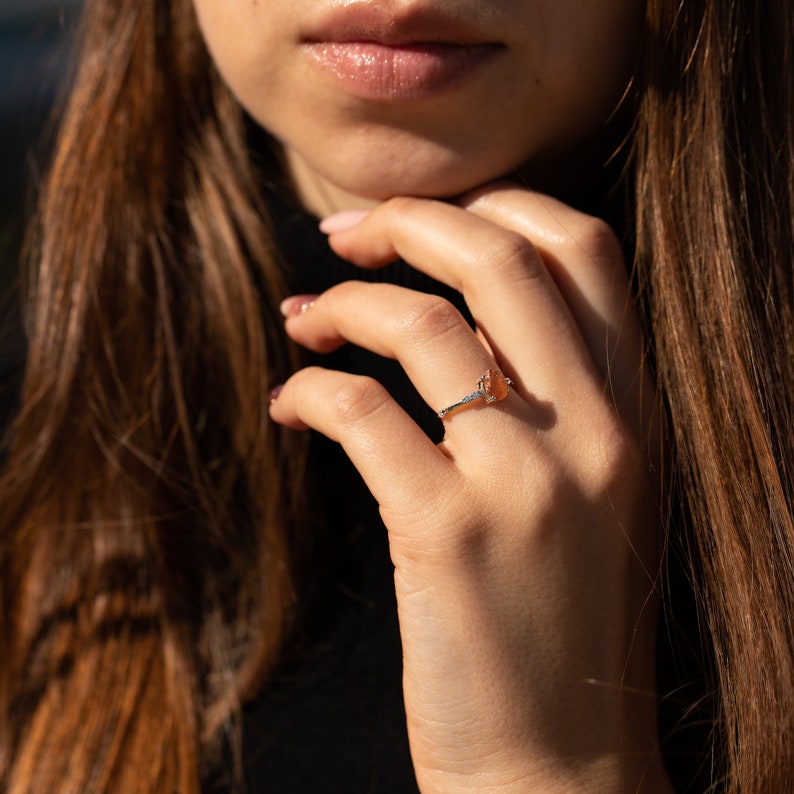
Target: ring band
x: 491, y: 387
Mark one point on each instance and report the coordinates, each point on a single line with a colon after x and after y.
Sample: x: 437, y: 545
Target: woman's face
x: 377, y: 98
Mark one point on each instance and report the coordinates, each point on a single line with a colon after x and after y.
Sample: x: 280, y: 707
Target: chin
x: 384, y: 190
x: 370, y: 166
x: 427, y: 182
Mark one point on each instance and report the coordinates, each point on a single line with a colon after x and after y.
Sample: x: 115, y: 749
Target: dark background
x: 35, y: 56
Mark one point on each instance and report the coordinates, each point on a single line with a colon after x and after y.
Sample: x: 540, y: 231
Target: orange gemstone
x: 494, y: 385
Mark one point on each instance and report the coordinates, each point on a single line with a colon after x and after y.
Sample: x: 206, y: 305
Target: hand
x: 525, y: 543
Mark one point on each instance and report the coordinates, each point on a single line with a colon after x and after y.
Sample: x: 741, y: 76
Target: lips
x: 378, y: 55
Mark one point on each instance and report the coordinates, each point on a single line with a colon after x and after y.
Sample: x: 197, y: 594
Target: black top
x: 333, y: 720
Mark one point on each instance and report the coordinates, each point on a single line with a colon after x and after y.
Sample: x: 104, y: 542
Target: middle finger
x: 439, y: 351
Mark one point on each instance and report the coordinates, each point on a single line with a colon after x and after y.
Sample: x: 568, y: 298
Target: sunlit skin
x: 524, y: 544
x: 563, y: 68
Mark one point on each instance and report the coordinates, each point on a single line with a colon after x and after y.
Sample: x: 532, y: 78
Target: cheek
x: 591, y: 51
x: 244, y: 44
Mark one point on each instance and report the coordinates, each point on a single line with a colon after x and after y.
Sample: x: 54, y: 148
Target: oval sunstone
x: 495, y: 385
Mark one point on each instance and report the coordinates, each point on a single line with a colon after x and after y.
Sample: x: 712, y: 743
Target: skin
x: 531, y: 108
x: 525, y: 543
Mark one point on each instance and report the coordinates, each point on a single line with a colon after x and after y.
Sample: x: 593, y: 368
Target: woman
x: 158, y: 569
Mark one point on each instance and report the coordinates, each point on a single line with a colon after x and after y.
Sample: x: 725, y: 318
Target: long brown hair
x: 715, y: 209
x: 146, y: 550
x: 146, y: 568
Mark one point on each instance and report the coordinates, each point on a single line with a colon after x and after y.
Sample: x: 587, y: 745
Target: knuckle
x: 356, y: 400
x: 343, y: 291
x: 430, y: 317
x: 597, y: 240
x: 613, y: 457
x: 399, y: 206
x: 512, y: 257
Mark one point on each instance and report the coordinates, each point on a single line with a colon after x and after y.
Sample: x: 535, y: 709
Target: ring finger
x: 439, y: 351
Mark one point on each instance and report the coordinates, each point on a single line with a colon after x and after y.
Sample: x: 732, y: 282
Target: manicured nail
x: 275, y: 392
x: 342, y: 221
x: 297, y: 304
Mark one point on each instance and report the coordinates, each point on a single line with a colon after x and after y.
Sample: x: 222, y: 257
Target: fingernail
x: 275, y: 392
x: 297, y: 304
x: 342, y: 221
